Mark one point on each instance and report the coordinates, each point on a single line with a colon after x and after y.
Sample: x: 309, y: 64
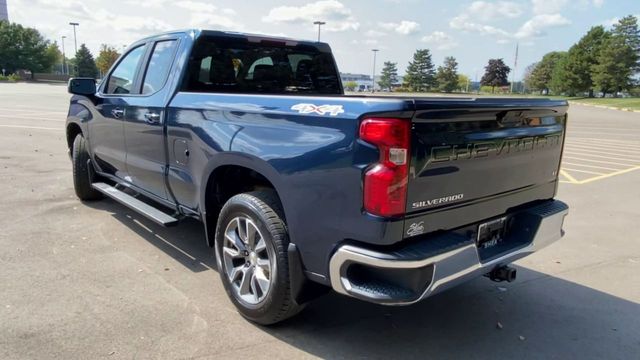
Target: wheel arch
x: 230, y: 175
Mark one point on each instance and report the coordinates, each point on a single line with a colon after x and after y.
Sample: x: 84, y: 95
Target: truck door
x: 107, y: 128
x: 144, y: 124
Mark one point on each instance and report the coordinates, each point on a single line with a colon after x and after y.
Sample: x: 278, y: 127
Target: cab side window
x: 123, y: 76
x: 159, y: 66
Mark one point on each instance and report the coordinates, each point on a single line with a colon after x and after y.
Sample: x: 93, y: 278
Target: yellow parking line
x: 609, y: 175
x: 596, y: 161
x: 584, y: 171
x: 590, y: 166
x: 605, y: 148
x: 581, y: 153
x: 571, y: 179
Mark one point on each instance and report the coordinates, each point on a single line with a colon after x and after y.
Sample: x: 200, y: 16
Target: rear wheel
x: 82, y: 176
x: 251, y: 248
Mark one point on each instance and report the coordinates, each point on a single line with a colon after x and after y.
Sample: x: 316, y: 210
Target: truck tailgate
x: 476, y: 158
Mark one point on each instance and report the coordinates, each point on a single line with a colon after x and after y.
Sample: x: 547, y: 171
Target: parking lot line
x: 599, y: 140
x: 596, y: 161
x: 591, y: 166
x: 571, y: 179
x: 612, y: 157
x: 595, y: 148
x: 30, y: 127
x: 586, y: 181
x: 585, y: 171
x: 627, y: 144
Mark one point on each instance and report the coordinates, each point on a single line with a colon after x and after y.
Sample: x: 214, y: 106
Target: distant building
x: 4, y: 13
x: 363, y: 82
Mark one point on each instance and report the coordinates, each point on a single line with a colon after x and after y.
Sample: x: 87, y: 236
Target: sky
x: 471, y: 31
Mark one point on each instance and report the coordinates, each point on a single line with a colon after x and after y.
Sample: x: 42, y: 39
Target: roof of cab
x: 199, y: 32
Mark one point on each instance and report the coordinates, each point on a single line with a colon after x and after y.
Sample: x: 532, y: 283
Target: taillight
x: 385, y: 184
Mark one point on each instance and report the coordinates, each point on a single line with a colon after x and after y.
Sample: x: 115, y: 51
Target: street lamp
x: 373, y: 76
x: 75, y: 40
x: 319, y: 23
x: 64, y: 58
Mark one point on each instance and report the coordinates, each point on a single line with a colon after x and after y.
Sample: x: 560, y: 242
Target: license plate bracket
x: 491, y: 233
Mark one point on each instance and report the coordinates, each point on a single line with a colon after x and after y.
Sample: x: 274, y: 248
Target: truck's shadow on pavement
x: 538, y: 317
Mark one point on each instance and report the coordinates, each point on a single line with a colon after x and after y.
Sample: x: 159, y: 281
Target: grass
x: 619, y: 103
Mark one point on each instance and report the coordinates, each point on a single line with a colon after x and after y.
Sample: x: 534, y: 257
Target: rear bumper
x: 413, y: 272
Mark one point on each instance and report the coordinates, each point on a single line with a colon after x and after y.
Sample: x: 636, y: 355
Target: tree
x: 627, y: 28
x: 23, y: 48
x: 85, y: 65
x: 389, y: 76
x: 463, y: 82
x: 421, y: 73
x: 526, y: 77
x: 540, y: 77
x: 53, y: 56
x: 447, y: 75
x: 614, y: 67
x: 496, y: 73
x: 576, y: 74
x: 107, y: 56
x: 350, y: 85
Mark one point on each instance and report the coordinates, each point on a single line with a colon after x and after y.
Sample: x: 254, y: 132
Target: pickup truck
x: 302, y: 188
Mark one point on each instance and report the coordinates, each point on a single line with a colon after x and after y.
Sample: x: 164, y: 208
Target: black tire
x: 81, y: 172
x: 263, y: 209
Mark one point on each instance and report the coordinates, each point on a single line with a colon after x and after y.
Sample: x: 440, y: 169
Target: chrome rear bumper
x: 438, y: 264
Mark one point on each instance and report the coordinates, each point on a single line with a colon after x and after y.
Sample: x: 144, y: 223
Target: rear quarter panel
x: 314, y: 161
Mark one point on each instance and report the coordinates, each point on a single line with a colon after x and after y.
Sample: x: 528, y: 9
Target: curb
x: 603, y: 107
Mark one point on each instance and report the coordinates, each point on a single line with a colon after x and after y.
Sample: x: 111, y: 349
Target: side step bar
x: 135, y: 204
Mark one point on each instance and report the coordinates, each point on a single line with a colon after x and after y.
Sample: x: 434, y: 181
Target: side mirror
x: 82, y: 86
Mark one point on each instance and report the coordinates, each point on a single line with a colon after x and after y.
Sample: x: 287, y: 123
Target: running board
x: 135, y: 204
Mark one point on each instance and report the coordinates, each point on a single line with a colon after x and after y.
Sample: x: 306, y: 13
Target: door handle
x: 117, y: 113
x: 152, y: 118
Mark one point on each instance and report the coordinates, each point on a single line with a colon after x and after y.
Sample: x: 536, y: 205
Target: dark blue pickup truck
x: 301, y: 188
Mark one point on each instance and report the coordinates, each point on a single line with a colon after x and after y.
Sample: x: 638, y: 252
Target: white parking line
x: 598, y: 161
x: 628, y: 154
x: 30, y: 127
x: 625, y: 147
x: 626, y: 158
x: 599, y: 141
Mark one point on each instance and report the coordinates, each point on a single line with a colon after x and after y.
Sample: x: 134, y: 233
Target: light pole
x: 64, y: 58
x: 75, y: 39
x: 319, y: 23
x: 373, y: 76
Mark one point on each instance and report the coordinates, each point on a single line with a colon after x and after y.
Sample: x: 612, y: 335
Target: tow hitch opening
x: 503, y: 273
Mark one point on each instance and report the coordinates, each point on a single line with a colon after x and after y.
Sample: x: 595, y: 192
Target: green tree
x: 576, y: 74
x: 23, y: 48
x: 53, y: 56
x: 84, y: 63
x: 496, y: 73
x: 389, y: 75
x: 464, y: 82
x: 107, y: 56
x: 447, y: 75
x: 540, y: 77
x: 627, y: 28
x: 420, y: 74
x: 614, y: 67
x: 350, y: 85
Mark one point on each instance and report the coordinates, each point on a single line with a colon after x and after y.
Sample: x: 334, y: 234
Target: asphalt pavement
x: 96, y: 280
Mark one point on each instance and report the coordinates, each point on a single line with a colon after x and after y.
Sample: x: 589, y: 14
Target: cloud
x: 374, y: 33
x: 548, y: 6
x: 196, y: 6
x: 598, y: 3
x: 488, y: 11
x: 440, y: 40
x: 404, y: 27
x: 537, y: 26
x: 464, y: 22
x: 334, y: 13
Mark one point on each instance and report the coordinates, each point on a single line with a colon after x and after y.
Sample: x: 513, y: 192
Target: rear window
x: 236, y: 65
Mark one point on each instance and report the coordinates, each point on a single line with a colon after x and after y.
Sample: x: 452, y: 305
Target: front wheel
x: 251, y: 250
x: 81, y: 171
